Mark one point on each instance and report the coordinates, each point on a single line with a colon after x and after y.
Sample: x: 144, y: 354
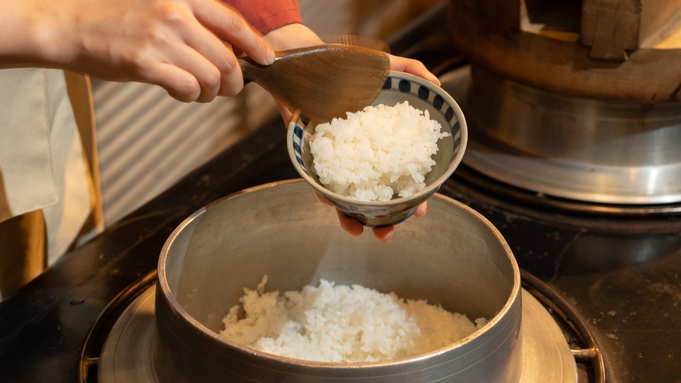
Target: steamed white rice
x: 343, y: 324
x: 376, y: 153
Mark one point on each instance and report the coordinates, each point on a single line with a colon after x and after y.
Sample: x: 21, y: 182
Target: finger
x: 411, y: 66
x: 230, y: 26
x: 206, y: 73
x: 384, y: 234
x: 323, y: 200
x: 179, y: 83
x: 228, y: 80
x: 285, y: 112
x: 421, y: 210
x: 348, y: 224
x: 232, y: 80
x: 353, y: 227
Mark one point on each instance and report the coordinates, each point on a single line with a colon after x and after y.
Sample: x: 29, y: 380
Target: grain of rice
x: 376, y: 153
x: 342, y: 324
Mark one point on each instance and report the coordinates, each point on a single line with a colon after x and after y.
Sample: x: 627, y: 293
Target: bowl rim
x: 515, y: 296
x: 429, y: 189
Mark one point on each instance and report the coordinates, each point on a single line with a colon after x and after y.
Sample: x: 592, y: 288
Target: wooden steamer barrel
x: 573, y: 99
x: 610, y: 49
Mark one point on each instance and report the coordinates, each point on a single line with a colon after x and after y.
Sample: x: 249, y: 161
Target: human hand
x: 185, y: 46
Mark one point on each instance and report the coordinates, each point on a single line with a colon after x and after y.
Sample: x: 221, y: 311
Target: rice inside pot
x: 376, y: 153
x: 342, y: 324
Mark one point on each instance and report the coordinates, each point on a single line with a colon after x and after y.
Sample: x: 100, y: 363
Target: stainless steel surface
x: 452, y: 257
x: 576, y: 148
x: 126, y: 357
x: 546, y: 355
x: 420, y: 94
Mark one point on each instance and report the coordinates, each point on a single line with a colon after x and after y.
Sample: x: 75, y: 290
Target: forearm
x: 27, y: 36
x: 176, y: 44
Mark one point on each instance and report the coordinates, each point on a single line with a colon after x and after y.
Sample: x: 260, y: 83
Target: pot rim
x: 184, y: 315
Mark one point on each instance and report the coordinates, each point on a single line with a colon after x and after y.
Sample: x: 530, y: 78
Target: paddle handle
x: 250, y: 69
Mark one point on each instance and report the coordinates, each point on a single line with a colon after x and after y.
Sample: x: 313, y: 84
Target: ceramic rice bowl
x: 420, y: 94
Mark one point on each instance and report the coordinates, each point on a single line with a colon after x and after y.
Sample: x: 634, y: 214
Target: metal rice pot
x: 452, y: 256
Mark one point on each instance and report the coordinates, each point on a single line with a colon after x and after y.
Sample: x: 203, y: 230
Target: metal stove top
x: 123, y: 353
x: 621, y: 274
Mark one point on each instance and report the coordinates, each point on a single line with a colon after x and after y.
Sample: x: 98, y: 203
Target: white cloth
x: 26, y: 177
x: 41, y: 158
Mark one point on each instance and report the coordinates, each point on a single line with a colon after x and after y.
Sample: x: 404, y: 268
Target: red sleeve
x: 267, y: 15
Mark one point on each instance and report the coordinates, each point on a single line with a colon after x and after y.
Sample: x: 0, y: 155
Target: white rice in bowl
x: 376, y: 153
x: 342, y: 324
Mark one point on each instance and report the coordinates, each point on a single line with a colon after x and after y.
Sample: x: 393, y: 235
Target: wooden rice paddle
x: 324, y: 81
